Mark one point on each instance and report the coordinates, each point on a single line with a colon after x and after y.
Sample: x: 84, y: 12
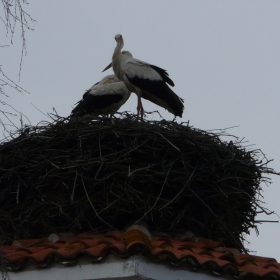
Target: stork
x: 146, y: 80
x: 104, y: 97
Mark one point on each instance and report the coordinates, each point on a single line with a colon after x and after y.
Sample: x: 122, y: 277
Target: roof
x: 184, y: 250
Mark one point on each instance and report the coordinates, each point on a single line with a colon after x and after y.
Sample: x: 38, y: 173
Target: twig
x: 168, y: 141
x: 74, y: 187
x: 139, y: 169
x: 96, y: 213
x: 179, y: 193
x: 265, y: 221
x: 159, y: 195
x: 17, y: 201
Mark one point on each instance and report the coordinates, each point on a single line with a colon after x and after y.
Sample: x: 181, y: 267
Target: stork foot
x: 111, y: 119
x: 142, y: 116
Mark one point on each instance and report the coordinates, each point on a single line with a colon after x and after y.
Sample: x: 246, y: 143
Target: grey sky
x: 222, y: 55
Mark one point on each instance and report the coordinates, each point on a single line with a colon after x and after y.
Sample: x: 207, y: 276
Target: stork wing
x: 93, y: 103
x: 143, y: 70
x: 100, y: 97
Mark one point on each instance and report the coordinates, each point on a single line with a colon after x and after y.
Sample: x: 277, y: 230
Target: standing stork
x: 146, y: 80
x: 105, y: 97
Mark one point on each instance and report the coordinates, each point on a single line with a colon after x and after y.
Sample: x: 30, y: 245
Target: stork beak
x: 109, y: 66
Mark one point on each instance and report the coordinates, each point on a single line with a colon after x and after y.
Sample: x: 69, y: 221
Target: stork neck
x: 116, y: 63
x: 117, y: 50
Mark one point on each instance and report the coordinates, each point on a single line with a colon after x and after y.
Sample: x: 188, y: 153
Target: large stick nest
x: 84, y: 174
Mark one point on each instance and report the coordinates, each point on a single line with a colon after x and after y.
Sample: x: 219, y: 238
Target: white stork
x: 105, y: 97
x: 146, y: 80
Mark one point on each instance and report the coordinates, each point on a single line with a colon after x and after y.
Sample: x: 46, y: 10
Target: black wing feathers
x: 164, y: 75
x: 160, y: 90
x: 92, y: 103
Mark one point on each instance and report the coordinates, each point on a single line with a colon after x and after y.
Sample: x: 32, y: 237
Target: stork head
x: 119, y: 39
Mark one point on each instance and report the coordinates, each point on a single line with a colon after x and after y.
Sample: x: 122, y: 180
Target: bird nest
x: 91, y: 174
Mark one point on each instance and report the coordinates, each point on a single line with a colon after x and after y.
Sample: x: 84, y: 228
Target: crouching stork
x: 105, y: 97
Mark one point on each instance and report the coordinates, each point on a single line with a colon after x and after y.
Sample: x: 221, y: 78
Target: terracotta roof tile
x: 119, y: 248
x: 173, y: 253
x: 22, y: 243
x: 89, y: 242
x: 16, y: 256
x: 209, y: 243
x: 42, y: 256
x: 8, y: 250
x: 97, y: 251
x: 198, y: 253
x: 70, y: 251
x: 255, y: 270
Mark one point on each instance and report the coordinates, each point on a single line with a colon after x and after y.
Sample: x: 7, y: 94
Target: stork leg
x: 140, y: 106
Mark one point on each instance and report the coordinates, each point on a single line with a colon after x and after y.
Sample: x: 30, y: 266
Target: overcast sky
x: 222, y: 55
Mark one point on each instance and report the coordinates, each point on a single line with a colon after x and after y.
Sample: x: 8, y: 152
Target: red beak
x: 109, y: 66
